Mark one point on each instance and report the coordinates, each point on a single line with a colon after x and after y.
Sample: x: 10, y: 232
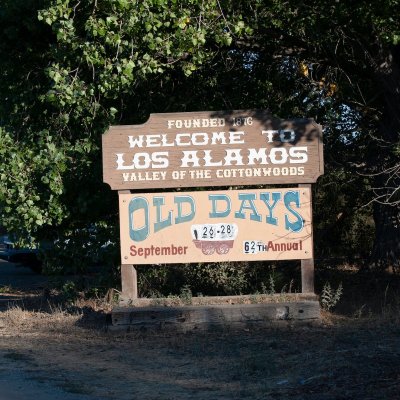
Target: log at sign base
x: 209, y: 247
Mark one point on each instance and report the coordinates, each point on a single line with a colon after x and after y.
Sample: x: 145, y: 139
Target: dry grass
x: 343, y: 358
x: 18, y: 319
x: 355, y: 353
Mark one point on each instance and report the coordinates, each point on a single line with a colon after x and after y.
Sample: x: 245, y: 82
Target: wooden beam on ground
x: 188, y: 318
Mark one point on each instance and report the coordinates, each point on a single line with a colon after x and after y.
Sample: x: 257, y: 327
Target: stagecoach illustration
x: 210, y: 238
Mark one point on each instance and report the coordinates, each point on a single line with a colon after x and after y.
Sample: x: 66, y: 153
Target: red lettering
x: 158, y: 251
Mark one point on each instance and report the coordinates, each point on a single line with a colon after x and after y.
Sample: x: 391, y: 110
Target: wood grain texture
x: 218, y: 300
x: 129, y: 282
x: 307, y: 265
x: 212, y: 316
x: 216, y: 150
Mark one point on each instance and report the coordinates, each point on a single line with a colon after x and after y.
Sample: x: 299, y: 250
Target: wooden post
x: 307, y: 276
x: 307, y: 266
x: 129, y: 282
x: 128, y: 275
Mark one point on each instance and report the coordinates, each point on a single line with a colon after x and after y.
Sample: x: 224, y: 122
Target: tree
x: 68, y: 71
x: 70, y: 68
x: 339, y: 63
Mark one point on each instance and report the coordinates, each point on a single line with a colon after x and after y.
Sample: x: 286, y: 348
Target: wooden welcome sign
x: 210, y: 226
x: 224, y: 148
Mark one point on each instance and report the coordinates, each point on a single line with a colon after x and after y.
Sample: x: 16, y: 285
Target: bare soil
x: 53, y: 352
x: 73, y: 356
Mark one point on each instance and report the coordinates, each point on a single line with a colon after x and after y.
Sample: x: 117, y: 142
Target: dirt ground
x: 49, y: 352
x: 73, y: 356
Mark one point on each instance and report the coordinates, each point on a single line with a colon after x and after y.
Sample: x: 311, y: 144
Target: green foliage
x: 186, y: 295
x: 31, y: 183
x: 5, y: 289
x: 269, y: 288
x: 75, y: 251
x: 344, y: 224
x: 108, y: 48
x: 69, y: 69
x: 80, y: 64
x: 69, y: 292
x: 213, y: 279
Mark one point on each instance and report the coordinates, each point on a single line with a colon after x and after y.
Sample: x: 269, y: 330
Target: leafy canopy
x: 69, y: 69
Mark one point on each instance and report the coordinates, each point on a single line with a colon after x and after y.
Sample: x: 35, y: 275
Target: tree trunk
x: 386, y: 249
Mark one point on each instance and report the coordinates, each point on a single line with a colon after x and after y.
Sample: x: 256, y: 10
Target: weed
x: 289, y: 289
x: 16, y: 316
x: 255, y: 298
x: 271, y: 281
x: 330, y: 297
x: 359, y: 312
x: 112, y: 296
x: 69, y: 292
x: 5, y: 289
x: 186, y: 295
x: 270, y: 288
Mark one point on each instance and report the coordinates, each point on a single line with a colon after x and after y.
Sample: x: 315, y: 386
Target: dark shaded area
x: 365, y: 293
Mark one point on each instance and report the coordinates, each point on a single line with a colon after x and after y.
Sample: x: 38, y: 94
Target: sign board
x: 223, y: 148
x: 204, y: 226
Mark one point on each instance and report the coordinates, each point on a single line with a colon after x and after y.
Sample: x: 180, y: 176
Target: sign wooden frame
x: 203, y: 149
x: 224, y: 148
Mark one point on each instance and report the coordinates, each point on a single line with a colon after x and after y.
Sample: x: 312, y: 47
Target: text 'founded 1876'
x: 222, y: 148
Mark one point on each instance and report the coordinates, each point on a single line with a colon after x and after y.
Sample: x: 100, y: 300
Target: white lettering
x: 233, y: 155
x: 133, y: 142
x: 143, y: 161
x: 137, y: 160
x: 160, y: 159
x: 235, y: 137
x: 260, y: 156
x: 205, y: 123
x: 208, y: 160
x: 144, y: 176
x: 218, y: 137
x: 270, y: 134
x: 273, y: 155
x: 179, y: 137
x: 164, y: 141
x: 196, y: 123
x: 153, y: 141
x: 282, y: 136
x: 190, y: 157
x: 200, y: 139
x: 299, y: 155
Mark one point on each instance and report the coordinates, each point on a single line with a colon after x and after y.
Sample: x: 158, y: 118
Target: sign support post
x: 212, y: 149
x: 307, y: 266
x: 129, y: 282
x: 128, y: 274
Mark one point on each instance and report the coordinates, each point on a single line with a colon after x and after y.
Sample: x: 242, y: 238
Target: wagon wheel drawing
x: 223, y: 248
x: 208, y: 249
